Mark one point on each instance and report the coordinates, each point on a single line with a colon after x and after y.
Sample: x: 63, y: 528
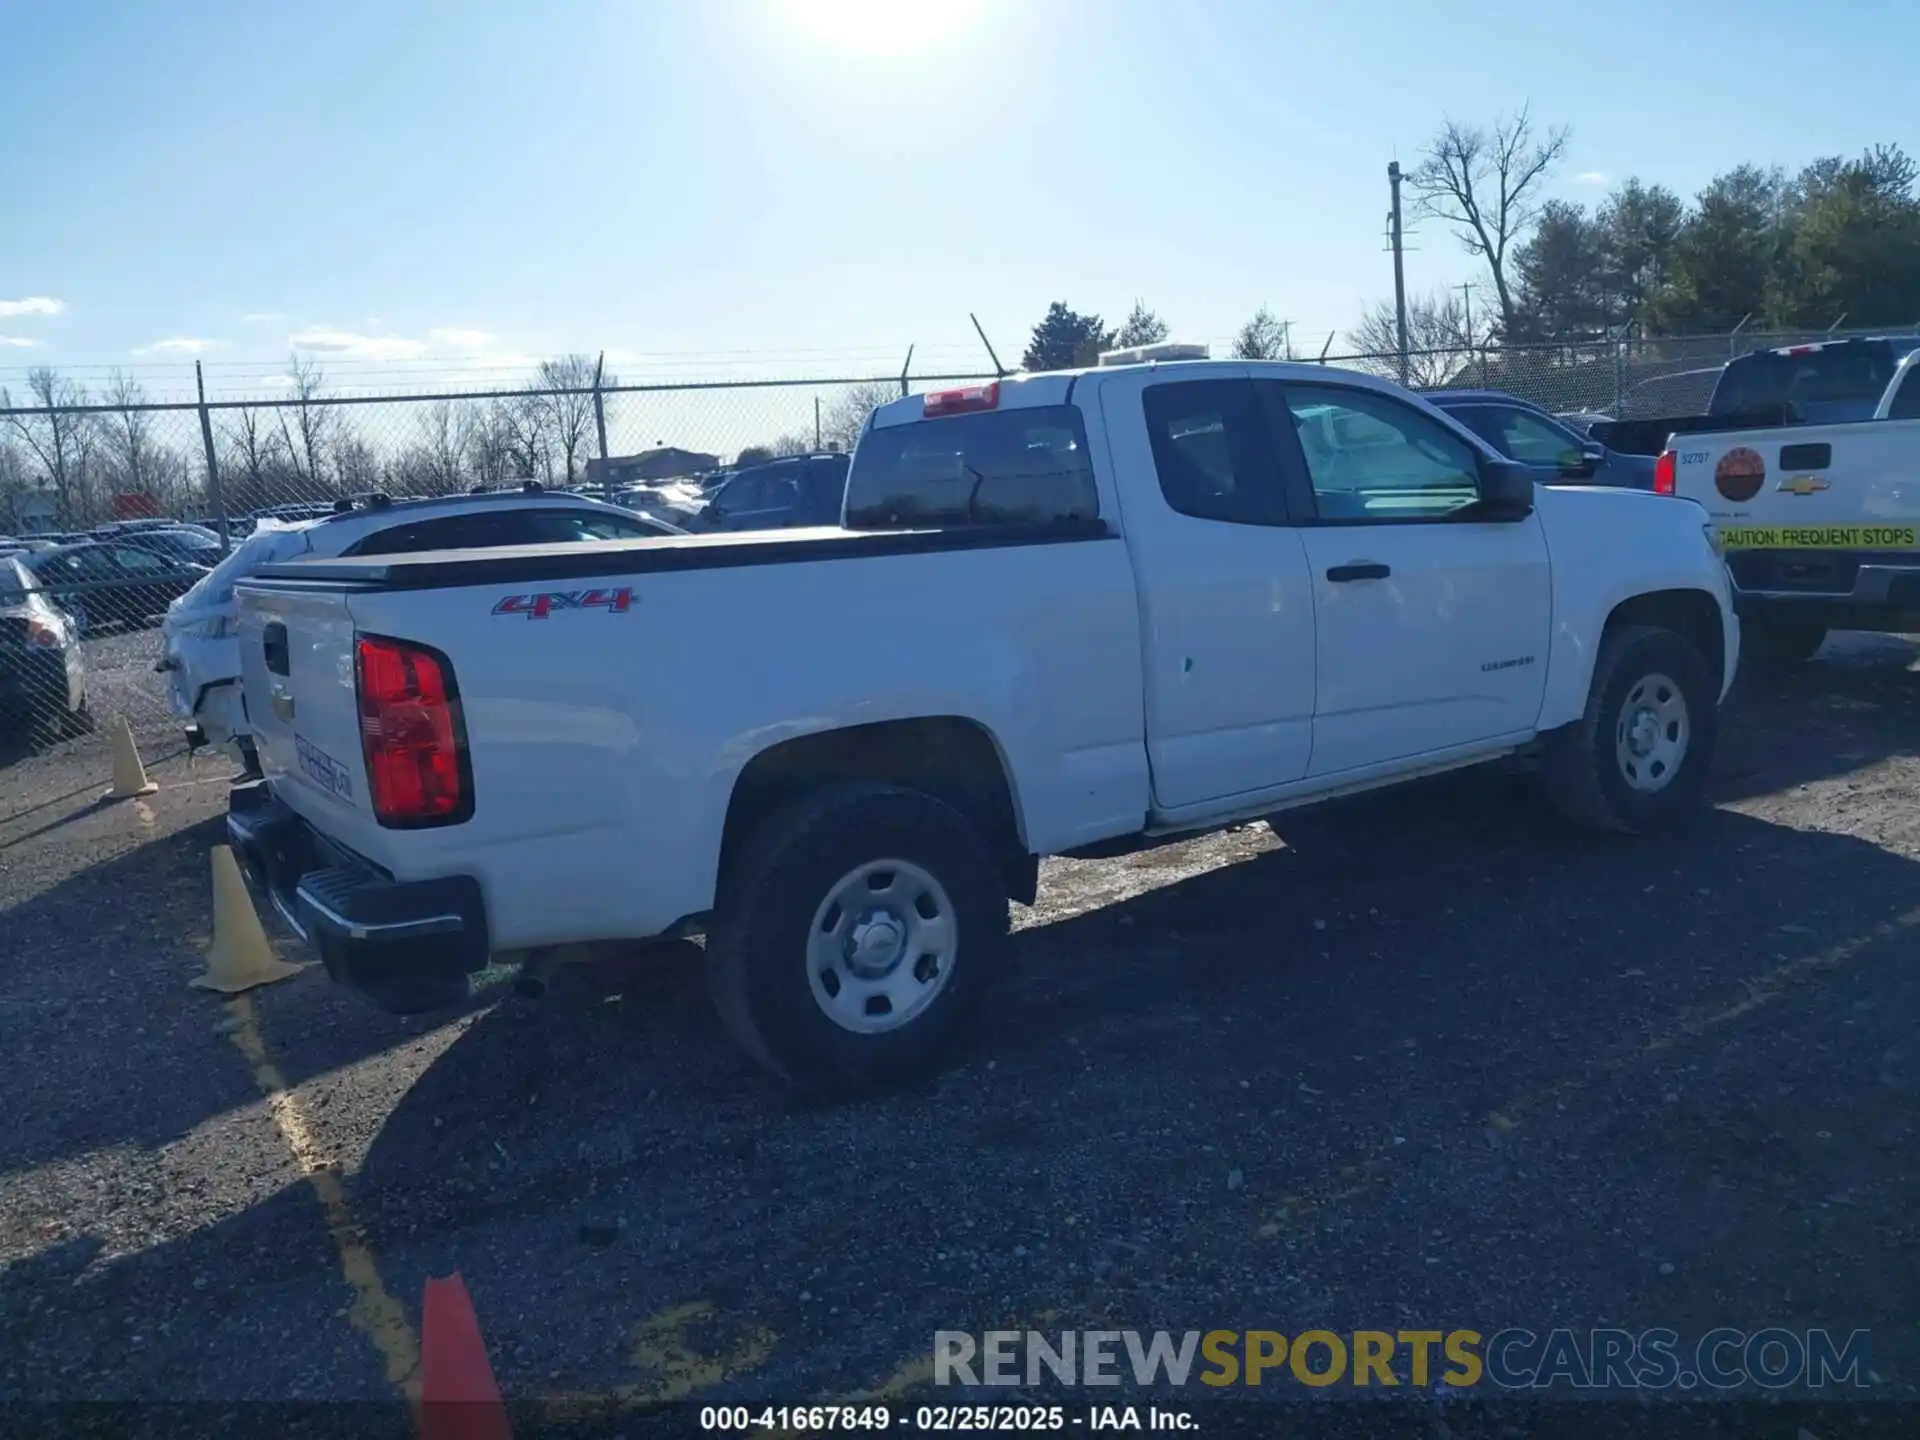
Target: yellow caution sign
x: 1819, y: 537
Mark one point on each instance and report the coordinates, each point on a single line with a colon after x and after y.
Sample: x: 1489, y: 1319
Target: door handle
x: 1359, y: 570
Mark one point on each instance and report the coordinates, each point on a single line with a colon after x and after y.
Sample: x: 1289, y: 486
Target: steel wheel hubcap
x: 882, y: 946
x: 1650, y: 739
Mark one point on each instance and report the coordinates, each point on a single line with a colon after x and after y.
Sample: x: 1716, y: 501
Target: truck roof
x: 1023, y: 389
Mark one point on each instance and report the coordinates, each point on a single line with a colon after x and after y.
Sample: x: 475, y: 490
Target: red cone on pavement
x: 458, y: 1397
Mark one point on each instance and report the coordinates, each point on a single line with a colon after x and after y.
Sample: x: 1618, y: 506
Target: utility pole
x: 1399, y: 269
x: 816, y: 422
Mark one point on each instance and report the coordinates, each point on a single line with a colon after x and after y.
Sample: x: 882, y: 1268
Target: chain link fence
x: 78, y: 633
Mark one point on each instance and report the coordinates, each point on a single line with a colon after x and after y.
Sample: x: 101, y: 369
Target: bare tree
x: 1485, y: 182
x: 1263, y: 338
x: 437, y: 464
x: 846, y: 417
x: 523, y: 426
x: 490, y: 447
x: 1438, y: 346
x: 568, y: 403
x: 311, y: 432
x: 794, y: 444
x: 356, y: 465
x: 59, y: 438
x: 14, y: 481
x: 255, y: 458
x: 131, y: 442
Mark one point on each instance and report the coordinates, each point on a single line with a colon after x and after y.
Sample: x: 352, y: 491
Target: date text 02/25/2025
x: 940, y: 1419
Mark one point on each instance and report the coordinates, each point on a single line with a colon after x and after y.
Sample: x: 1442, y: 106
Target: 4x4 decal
x: 539, y: 607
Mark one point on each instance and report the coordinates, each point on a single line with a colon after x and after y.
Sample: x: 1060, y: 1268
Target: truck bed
x: 450, y: 569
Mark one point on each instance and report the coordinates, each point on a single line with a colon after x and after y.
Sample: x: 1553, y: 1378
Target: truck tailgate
x: 1826, y: 487
x: 297, y: 666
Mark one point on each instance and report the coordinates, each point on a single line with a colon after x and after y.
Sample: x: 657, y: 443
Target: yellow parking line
x: 375, y: 1313
x: 1350, y: 1181
x: 661, y: 1352
x: 1697, y: 1020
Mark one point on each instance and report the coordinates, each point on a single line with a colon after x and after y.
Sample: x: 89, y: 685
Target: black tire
x: 788, y: 867
x: 1774, y: 646
x: 1584, y: 776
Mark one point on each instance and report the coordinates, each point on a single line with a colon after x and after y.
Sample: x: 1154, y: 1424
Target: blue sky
x: 762, y: 185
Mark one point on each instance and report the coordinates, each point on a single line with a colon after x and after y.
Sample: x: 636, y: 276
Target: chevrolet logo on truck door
x: 1802, y: 485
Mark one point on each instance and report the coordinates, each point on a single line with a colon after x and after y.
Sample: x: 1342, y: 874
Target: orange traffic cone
x: 458, y: 1397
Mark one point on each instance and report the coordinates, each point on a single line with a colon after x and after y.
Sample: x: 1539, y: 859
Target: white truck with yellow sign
x: 1820, y: 524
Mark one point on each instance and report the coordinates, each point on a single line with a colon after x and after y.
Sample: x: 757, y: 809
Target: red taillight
x: 1665, y: 472
x: 957, y: 402
x: 411, y: 732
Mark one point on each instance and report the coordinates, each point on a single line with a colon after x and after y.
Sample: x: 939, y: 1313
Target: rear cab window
x: 1821, y: 382
x: 1016, y: 466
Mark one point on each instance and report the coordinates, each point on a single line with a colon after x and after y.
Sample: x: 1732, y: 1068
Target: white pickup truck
x: 1064, y: 613
x: 1820, y: 523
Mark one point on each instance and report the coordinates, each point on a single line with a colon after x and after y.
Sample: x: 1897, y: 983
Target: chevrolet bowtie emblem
x: 1803, y: 485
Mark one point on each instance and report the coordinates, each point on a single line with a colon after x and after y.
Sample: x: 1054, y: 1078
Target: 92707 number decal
x: 540, y: 606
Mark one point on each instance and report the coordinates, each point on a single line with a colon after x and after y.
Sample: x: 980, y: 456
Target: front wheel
x: 1637, y: 761
x: 856, y: 933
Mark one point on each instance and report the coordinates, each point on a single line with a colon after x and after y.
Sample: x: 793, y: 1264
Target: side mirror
x: 1580, y: 464
x: 1506, y: 491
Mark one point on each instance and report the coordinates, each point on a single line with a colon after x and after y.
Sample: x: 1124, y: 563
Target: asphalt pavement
x: 1421, y: 1060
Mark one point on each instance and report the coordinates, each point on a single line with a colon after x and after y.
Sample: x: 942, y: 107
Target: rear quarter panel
x: 605, y: 745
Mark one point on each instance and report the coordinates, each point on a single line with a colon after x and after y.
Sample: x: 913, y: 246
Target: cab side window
x: 1532, y: 441
x: 1212, y: 453
x: 1372, y: 459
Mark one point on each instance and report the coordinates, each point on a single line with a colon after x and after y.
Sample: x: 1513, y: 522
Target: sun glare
x: 882, y: 27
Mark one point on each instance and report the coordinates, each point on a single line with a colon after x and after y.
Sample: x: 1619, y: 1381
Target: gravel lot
x: 1425, y: 1059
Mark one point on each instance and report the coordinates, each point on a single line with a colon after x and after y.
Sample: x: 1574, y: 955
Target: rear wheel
x: 1773, y: 645
x: 857, y: 932
x: 1637, y: 761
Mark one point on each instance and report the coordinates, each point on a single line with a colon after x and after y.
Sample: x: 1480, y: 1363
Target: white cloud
x: 261, y: 317
x: 1591, y: 177
x: 32, y: 305
x: 18, y: 341
x: 350, y: 346
x: 460, y: 339
x: 177, y: 345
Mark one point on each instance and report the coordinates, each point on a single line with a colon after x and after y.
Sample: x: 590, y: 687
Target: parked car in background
x: 43, y: 675
x: 1820, y: 523
x: 305, y: 510
x: 200, y: 655
x: 1832, y: 382
x: 1541, y: 441
x: 802, y: 490
x: 1582, y: 420
x: 181, y: 544
x: 112, y: 582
